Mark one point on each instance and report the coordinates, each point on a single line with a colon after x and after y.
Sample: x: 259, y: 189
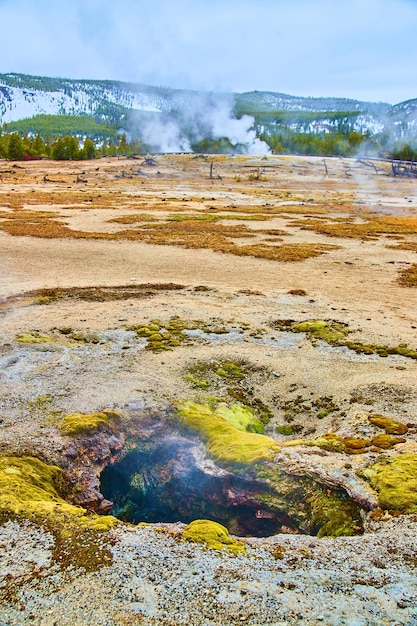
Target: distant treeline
x: 15, y: 147
x: 348, y: 143
x: 48, y: 126
x: 65, y: 137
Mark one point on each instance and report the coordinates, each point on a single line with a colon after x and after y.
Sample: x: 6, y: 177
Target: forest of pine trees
x: 18, y: 145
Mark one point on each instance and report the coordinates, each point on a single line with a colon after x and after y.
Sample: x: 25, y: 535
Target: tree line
x: 15, y: 147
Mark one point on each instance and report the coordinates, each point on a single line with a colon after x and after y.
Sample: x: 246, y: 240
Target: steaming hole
x: 158, y: 487
x: 175, y: 482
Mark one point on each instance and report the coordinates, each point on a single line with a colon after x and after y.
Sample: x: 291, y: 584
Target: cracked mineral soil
x: 164, y: 306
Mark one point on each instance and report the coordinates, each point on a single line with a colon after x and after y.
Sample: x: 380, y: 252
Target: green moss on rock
x: 241, y: 417
x: 213, y: 535
x: 334, y: 333
x: 85, y: 423
x: 395, y: 480
x: 331, y: 442
x: 34, y: 337
x: 391, y: 426
x: 224, y: 442
x: 31, y: 489
x: 330, y: 332
x: 386, y: 441
x: 333, y: 516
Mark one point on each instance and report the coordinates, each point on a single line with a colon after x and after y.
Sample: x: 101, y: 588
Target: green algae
x: 162, y: 336
x: 31, y: 489
x: 87, y: 423
x: 166, y: 336
x: 395, y: 480
x: 241, y: 417
x: 334, y: 333
x: 332, y: 515
x: 224, y: 442
x: 231, y: 370
x: 286, y: 430
x: 380, y: 350
x: 213, y: 535
x: 330, y: 332
x: 230, y: 381
x: 314, y: 508
x: 200, y: 384
x: 34, y: 336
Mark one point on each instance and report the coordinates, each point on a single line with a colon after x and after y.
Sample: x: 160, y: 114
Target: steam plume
x: 194, y: 118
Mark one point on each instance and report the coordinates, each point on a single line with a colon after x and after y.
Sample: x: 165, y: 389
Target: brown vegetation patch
x: 408, y: 277
x: 369, y: 229
x: 135, y: 218
x: 405, y: 245
x: 98, y: 293
x: 189, y: 233
x: 286, y: 252
x: 282, y: 209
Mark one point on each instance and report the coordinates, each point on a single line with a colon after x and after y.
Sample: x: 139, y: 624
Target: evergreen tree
x: 89, y: 149
x: 65, y: 149
x: 38, y: 146
x: 123, y: 147
x: 16, y: 148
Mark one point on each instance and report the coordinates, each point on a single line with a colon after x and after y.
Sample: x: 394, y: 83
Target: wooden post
x: 211, y: 169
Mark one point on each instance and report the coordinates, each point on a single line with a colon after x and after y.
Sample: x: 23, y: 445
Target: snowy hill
x: 132, y: 106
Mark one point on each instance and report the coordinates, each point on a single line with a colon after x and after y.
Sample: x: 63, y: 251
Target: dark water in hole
x: 167, y: 485
x: 167, y: 477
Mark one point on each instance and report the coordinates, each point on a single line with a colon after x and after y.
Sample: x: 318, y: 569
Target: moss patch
x: 334, y: 333
x: 83, y: 423
x: 34, y: 336
x: 408, y: 277
x: 336, y: 443
x: 97, y: 293
x: 32, y: 489
x: 329, y: 331
x: 305, y: 409
x: 395, y: 480
x: 213, y: 535
x: 286, y: 253
x: 230, y: 381
x: 162, y: 336
x: 316, y: 508
x: 241, y: 417
x: 386, y: 442
x: 224, y: 442
x: 391, y: 426
x: 333, y: 516
x: 369, y: 228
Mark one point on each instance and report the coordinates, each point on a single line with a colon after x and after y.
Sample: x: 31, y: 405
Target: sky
x: 362, y: 49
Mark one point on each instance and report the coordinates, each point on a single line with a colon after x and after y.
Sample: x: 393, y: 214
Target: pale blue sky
x: 361, y: 49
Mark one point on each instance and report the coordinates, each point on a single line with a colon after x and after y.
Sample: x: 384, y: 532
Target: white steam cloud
x: 196, y: 120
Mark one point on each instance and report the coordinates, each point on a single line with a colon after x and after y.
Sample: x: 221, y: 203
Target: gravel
x: 155, y: 578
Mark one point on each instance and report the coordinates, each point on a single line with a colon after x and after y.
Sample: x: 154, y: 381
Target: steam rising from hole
x: 197, y: 123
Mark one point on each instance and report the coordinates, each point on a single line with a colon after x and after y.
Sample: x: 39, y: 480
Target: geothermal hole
x: 169, y: 479
x: 168, y: 485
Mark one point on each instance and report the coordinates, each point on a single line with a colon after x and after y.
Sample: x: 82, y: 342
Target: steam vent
x: 168, y: 477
